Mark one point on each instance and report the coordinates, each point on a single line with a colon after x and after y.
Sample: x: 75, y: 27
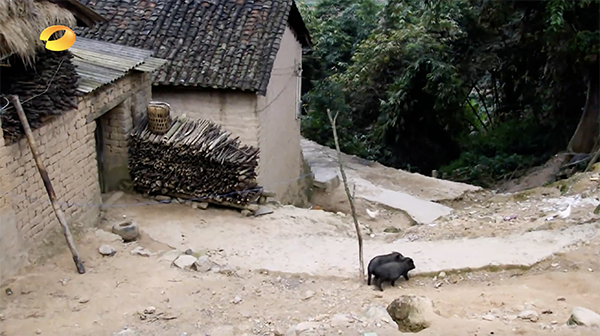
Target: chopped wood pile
x: 46, y: 89
x: 195, y: 160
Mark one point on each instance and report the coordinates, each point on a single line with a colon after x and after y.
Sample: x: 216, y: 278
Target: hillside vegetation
x: 477, y: 89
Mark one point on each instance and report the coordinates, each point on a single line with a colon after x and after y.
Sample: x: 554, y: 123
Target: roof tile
x: 208, y: 43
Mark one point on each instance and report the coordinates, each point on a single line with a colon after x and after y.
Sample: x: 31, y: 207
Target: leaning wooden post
x: 361, y: 264
x: 42, y: 169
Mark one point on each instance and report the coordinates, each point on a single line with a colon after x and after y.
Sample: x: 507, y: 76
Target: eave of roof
x: 99, y: 63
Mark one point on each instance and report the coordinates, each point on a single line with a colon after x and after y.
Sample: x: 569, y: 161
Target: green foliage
x: 479, y: 87
x: 499, y: 154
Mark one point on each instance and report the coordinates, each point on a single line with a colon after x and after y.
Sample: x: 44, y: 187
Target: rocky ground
x: 138, y: 291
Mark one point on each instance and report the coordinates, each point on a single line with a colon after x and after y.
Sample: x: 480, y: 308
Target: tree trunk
x: 588, y: 129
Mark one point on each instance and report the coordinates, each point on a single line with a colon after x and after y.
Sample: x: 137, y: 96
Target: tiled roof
x: 221, y: 44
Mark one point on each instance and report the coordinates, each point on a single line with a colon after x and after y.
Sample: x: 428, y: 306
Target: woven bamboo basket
x: 159, y: 117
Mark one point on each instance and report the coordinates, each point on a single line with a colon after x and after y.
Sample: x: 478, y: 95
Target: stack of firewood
x: 47, y: 88
x: 194, y: 160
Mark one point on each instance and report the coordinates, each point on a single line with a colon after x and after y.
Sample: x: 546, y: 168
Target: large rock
x: 584, y: 317
x: 412, y: 313
x: 184, y: 261
x: 203, y: 264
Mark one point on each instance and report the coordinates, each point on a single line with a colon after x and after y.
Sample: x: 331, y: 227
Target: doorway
x: 100, y: 153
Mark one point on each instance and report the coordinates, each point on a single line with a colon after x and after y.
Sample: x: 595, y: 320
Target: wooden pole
x: 361, y: 264
x: 42, y: 169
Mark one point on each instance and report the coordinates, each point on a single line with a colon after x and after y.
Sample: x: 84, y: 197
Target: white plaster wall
x: 279, y: 128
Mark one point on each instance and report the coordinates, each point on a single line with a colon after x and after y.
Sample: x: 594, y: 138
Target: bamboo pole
x: 42, y: 169
x: 361, y: 264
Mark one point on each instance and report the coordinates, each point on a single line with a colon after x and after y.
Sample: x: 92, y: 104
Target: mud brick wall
x: 68, y: 149
x: 116, y: 125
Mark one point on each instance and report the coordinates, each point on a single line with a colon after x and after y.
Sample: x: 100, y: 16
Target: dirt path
x: 242, y: 299
x: 54, y: 300
x: 293, y: 240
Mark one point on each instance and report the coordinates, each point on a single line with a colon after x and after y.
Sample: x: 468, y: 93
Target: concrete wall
x: 281, y: 164
x: 235, y: 111
x: 68, y: 149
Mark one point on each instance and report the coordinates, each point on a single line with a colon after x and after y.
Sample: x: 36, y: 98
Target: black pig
x: 392, y: 271
x: 380, y: 260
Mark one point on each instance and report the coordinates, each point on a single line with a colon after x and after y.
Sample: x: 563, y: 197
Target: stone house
x: 81, y: 146
x: 237, y: 63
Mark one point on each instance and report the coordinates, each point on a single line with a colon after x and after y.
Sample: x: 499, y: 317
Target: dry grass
x: 22, y: 21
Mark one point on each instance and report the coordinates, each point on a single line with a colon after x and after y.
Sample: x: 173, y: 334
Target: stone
x: 194, y: 205
x: 488, y: 317
x: 340, y: 320
x: 203, y: 264
x: 302, y: 328
x: 128, y: 230
x: 442, y: 275
x: 308, y: 294
x: 163, y: 198
x: 246, y: 213
x: 236, y: 300
x: 38, y: 331
x: 84, y: 300
x: 107, y: 250
x: 584, y: 317
x: 169, y: 256
x: 141, y: 252
x: 377, y: 312
x: 107, y: 237
x: 412, y: 313
x: 529, y: 315
x: 185, y: 261
x: 391, y: 229
x: 203, y: 205
x: 263, y: 210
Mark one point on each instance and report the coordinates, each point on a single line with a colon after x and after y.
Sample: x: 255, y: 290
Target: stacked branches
x: 196, y: 160
x: 46, y: 88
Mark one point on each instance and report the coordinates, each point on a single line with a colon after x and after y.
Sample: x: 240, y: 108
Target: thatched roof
x: 22, y: 21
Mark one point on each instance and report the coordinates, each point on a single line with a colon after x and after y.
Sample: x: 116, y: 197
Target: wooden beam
x: 97, y: 114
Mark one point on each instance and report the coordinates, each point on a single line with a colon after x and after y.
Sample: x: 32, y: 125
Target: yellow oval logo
x: 63, y: 43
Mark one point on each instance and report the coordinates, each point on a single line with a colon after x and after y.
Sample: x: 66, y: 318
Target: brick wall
x: 11, y: 242
x: 116, y: 125
x: 68, y: 149
x: 142, y: 95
